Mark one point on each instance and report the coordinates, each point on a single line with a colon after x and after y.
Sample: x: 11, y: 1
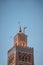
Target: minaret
x: 20, y: 54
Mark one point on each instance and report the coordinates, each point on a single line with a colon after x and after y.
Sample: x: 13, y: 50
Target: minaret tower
x: 20, y: 53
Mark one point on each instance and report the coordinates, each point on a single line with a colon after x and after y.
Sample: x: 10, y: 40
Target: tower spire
x: 20, y: 30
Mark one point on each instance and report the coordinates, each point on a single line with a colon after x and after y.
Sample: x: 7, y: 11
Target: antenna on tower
x: 24, y: 29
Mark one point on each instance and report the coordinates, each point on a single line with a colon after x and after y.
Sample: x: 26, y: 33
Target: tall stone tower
x: 20, y: 54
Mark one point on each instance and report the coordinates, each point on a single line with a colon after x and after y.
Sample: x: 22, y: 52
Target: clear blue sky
x: 30, y: 14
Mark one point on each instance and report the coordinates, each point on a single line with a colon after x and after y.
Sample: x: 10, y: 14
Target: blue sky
x: 30, y: 14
